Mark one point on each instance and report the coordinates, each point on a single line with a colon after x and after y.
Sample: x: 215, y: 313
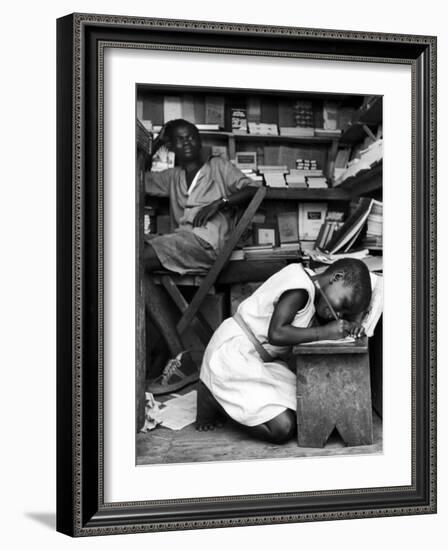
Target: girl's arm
x: 282, y: 333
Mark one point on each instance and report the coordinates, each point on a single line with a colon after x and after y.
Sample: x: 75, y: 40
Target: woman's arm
x: 240, y: 197
x: 282, y: 333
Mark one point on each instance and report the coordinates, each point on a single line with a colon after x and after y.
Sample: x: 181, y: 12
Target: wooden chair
x: 204, y: 281
x: 190, y: 315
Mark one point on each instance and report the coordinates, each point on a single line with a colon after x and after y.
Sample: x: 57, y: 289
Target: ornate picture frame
x: 81, y: 506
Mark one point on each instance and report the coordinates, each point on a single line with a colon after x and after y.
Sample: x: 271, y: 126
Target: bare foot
x: 210, y: 414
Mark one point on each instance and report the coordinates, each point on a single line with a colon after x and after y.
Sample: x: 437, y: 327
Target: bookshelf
x: 284, y: 110
x: 335, y: 123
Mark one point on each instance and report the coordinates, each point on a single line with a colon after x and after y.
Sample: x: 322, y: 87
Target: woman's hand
x: 206, y: 213
x: 161, y: 140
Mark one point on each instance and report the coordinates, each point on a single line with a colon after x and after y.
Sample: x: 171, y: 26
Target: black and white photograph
x: 259, y: 231
x: 221, y: 293
x: 246, y: 284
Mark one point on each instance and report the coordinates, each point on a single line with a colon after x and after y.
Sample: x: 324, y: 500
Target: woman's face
x: 186, y: 143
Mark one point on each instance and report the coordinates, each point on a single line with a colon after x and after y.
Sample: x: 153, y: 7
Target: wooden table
x: 333, y: 391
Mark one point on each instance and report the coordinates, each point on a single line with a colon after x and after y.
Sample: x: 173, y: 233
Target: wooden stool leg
x: 334, y: 391
x: 355, y: 424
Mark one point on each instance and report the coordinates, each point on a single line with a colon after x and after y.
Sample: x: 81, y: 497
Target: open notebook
x: 371, y: 316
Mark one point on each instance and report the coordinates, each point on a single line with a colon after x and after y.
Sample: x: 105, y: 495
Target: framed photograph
x: 162, y: 307
x: 266, y: 233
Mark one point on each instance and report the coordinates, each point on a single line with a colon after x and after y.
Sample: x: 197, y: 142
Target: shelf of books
x: 307, y: 194
x: 319, y: 157
x: 271, y: 137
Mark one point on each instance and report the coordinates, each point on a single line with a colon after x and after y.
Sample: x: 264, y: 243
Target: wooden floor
x: 164, y: 446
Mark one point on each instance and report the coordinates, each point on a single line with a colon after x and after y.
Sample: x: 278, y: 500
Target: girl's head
x: 348, y: 288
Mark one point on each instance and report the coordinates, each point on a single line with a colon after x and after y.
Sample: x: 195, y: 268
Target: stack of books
x: 368, y: 157
x: 306, y: 164
x: 296, y: 179
x: 306, y: 175
x: 274, y: 179
x: 262, y: 168
x: 347, y: 235
x: 326, y: 234
x: 263, y: 129
x: 288, y: 251
x: 374, y: 234
x: 274, y: 176
x: 297, y: 131
x: 239, y: 121
x: 316, y: 182
x: 209, y: 127
x: 304, y: 114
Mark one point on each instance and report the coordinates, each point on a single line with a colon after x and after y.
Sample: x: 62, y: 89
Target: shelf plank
x: 253, y: 137
x: 307, y: 194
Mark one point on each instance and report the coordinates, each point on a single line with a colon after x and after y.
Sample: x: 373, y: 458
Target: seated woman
x: 243, y: 375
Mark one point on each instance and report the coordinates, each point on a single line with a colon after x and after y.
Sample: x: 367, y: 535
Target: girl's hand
x: 357, y: 330
x: 337, y: 329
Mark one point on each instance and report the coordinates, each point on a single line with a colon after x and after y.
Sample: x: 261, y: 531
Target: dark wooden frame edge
x: 81, y: 510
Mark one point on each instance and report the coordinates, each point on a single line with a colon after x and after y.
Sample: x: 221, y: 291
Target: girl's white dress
x: 251, y: 391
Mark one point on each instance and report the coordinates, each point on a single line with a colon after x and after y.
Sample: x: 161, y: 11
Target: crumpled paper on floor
x: 152, y: 413
x: 174, y: 414
x: 179, y: 411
